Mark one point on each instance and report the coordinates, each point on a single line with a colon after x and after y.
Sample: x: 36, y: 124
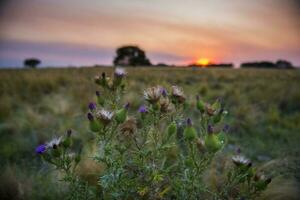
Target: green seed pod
x: 190, y: 133
x: 200, y: 105
x: 95, y: 126
x: 172, y: 129
x: 212, y: 143
x: 55, y: 152
x: 67, y: 142
x: 121, y: 115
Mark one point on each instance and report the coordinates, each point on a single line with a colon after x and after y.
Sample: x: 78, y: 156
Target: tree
x: 283, y: 64
x: 131, y: 56
x: 31, y: 62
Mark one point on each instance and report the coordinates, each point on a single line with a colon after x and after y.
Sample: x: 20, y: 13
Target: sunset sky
x: 77, y: 32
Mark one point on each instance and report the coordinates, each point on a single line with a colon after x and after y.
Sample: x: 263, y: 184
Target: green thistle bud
x: 200, y: 104
x: 95, y: 125
x: 172, y: 129
x: 100, y: 99
x: 121, y: 114
x: 55, y: 151
x: 212, y: 143
x: 67, y: 142
x: 190, y: 132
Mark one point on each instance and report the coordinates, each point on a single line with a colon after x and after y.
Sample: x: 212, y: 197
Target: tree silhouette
x: 31, y: 62
x: 131, y: 56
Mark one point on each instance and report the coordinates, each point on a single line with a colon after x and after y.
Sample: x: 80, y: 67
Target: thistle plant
x: 157, y: 151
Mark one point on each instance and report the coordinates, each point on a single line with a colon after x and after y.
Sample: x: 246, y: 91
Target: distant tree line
x: 135, y: 56
x: 280, y: 64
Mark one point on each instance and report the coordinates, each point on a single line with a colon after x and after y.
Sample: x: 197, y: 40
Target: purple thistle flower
x: 143, y: 109
x: 90, y: 116
x: 238, y: 150
x: 226, y: 128
x: 92, y: 106
x: 97, y: 93
x: 163, y: 92
x: 210, y: 129
x: 189, y: 122
x: 41, y: 149
x: 126, y: 106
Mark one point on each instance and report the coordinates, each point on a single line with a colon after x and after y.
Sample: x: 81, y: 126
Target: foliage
x: 157, y: 154
x: 131, y: 56
x: 35, y: 105
x: 31, y: 62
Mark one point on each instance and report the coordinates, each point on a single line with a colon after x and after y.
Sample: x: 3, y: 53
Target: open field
x: 264, y: 116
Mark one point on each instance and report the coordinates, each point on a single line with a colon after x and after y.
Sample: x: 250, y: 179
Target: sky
x: 80, y: 33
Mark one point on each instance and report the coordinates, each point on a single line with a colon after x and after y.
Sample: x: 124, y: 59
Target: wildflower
x: 212, y: 141
x: 95, y: 126
x: 210, y: 129
x: 143, y: 109
x: 120, y: 72
x: 100, y: 99
x: 118, y: 76
x: 54, y: 143
x: 92, y: 106
x: 152, y: 94
x: 200, y: 145
x: 177, y: 94
x: 165, y: 105
x: 104, y: 116
x: 189, y: 131
x: 164, y: 92
x: 239, y: 160
x: 68, y: 140
x: 200, y: 104
x: 102, y: 80
x: 226, y: 128
x: 209, y: 110
x: 128, y: 128
x: 122, y: 114
x: 41, y: 149
x: 261, y: 182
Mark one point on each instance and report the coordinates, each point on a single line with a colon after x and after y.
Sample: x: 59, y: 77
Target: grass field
x: 264, y: 116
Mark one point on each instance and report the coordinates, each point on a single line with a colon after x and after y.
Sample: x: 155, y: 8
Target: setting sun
x: 203, y: 61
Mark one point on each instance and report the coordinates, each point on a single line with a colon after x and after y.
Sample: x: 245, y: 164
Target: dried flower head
x: 54, y: 143
x: 178, y: 94
x: 239, y: 160
x: 152, y: 94
x: 128, y: 128
x: 104, y: 116
x: 120, y: 72
x: 165, y: 105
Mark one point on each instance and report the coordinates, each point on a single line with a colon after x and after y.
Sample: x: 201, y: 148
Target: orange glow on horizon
x: 203, y: 61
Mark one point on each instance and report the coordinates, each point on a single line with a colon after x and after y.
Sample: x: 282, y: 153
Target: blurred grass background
x: 35, y: 105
